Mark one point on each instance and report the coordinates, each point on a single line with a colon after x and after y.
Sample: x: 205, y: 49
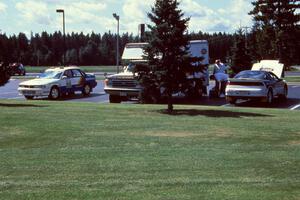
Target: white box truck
x: 124, y: 86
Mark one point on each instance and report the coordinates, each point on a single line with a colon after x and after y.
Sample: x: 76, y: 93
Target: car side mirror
x: 64, y: 77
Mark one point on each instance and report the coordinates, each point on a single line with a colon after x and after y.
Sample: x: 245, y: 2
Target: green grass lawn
x: 63, y: 150
x: 292, y: 79
x: 36, y: 69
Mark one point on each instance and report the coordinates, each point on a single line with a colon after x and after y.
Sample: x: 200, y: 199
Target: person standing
x: 221, y: 76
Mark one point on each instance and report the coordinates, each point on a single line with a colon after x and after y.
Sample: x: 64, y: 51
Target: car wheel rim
x: 87, y: 89
x: 54, y: 93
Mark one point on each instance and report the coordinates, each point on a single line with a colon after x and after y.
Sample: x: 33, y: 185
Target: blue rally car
x: 55, y: 82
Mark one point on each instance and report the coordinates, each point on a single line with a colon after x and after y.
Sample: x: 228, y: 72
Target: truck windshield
x: 50, y: 75
x: 129, y: 68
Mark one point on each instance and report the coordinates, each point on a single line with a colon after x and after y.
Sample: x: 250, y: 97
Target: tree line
x: 86, y: 49
x: 274, y: 35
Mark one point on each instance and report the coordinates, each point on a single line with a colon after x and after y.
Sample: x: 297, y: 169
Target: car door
x: 68, y: 80
x: 77, y: 80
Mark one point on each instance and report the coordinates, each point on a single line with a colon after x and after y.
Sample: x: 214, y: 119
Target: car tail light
x: 246, y: 83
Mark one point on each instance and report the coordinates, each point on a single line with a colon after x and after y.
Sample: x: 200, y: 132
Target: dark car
x: 17, y: 69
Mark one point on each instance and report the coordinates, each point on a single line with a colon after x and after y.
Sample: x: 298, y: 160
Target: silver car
x: 254, y: 84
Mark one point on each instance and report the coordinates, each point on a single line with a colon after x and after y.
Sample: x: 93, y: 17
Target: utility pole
x: 246, y: 34
x: 117, y: 17
x: 64, y: 32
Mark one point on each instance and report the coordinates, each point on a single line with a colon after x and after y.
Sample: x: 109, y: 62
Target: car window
x: 68, y: 73
x: 50, y: 75
x: 248, y: 74
x: 76, y: 73
x: 273, y: 76
x: 269, y: 77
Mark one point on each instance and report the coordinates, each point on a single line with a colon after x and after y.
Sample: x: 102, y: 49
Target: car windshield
x: 51, y: 75
x: 251, y: 75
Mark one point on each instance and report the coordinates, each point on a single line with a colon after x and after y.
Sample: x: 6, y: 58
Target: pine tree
x: 277, y: 25
x: 240, y: 56
x: 166, y: 51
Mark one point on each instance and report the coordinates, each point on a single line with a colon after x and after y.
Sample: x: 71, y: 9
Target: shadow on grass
x: 276, y: 104
x: 212, y: 113
x: 11, y: 105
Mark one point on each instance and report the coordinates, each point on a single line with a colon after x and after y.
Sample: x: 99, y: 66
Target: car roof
x: 61, y: 69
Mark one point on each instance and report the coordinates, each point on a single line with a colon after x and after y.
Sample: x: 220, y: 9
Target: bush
x: 4, y: 74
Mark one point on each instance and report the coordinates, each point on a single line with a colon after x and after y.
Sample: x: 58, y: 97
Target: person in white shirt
x: 221, y: 77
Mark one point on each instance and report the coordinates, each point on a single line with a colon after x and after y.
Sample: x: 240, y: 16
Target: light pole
x: 117, y: 17
x: 64, y: 32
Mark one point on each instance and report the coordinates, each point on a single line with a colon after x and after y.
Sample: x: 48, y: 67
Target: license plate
x: 29, y: 92
x: 243, y: 93
x: 123, y: 94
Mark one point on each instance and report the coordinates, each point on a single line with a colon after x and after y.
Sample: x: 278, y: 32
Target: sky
x: 96, y: 15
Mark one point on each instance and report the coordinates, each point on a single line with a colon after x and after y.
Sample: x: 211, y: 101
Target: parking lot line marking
x: 295, y: 107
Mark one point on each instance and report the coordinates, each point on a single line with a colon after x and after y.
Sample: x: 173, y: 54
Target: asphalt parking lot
x: 9, y: 91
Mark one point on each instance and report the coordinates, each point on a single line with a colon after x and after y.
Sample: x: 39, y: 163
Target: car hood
x: 39, y: 81
x: 270, y: 66
x: 123, y: 75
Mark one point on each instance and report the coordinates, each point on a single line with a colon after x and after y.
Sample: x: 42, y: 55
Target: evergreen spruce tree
x: 277, y: 23
x: 167, y: 52
x: 240, y: 56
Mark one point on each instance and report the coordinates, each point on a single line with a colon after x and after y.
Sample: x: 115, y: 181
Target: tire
x: 232, y: 101
x: 54, y: 93
x: 86, y: 90
x: 283, y: 97
x: 28, y: 97
x: 270, y: 97
x: 114, y: 99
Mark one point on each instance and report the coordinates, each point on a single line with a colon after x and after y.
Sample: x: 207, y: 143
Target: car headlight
x: 108, y: 82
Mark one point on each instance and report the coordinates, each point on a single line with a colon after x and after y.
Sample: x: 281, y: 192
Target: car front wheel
x: 28, y: 97
x: 86, y: 90
x: 54, y: 93
x: 114, y: 99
